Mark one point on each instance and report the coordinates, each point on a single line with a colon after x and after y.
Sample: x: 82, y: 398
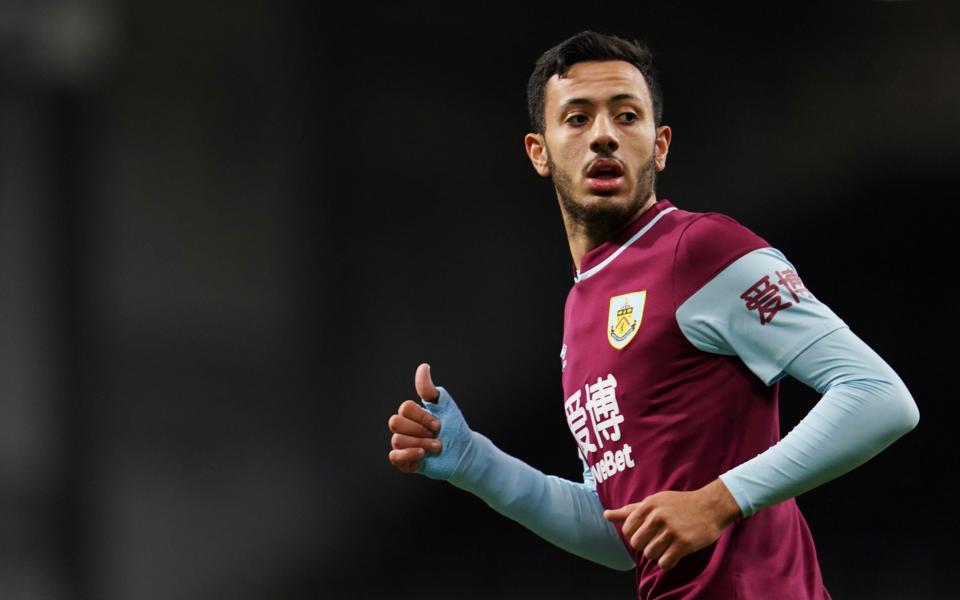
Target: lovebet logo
x: 612, y: 463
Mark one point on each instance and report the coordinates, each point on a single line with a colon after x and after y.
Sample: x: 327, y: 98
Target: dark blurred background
x: 229, y: 232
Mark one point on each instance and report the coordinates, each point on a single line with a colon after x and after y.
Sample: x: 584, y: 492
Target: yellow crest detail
x: 626, y: 312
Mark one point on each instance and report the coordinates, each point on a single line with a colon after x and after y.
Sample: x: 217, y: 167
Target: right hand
x: 414, y: 429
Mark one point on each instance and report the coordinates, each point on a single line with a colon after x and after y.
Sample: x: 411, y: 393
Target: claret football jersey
x: 676, y: 334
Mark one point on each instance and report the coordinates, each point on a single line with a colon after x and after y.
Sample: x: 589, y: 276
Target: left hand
x: 670, y: 525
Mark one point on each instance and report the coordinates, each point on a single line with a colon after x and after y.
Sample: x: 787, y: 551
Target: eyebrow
x: 588, y: 101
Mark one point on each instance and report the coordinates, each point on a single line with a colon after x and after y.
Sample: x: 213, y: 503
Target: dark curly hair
x: 585, y: 46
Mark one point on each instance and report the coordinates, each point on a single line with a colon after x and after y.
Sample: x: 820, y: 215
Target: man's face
x: 600, y: 110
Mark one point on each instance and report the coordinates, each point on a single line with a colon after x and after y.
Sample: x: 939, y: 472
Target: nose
x: 604, y: 135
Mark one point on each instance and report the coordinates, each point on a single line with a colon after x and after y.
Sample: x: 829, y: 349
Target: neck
x: 582, y: 241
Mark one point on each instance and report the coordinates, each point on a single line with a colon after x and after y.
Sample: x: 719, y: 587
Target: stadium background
x: 230, y: 231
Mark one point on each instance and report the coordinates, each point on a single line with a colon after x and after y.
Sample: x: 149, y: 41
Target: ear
x: 537, y: 151
x: 662, y: 146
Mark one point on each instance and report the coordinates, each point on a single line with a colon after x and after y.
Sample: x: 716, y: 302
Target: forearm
x: 865, y: 408
x: 565, y: 513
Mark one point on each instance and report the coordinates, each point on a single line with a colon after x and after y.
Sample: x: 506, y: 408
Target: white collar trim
x: 595, y: 269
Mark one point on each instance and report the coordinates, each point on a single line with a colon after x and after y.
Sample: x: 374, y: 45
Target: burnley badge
x: 626, y: 312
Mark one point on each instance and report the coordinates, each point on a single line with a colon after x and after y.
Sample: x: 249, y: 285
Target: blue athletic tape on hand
x: 455, y: 436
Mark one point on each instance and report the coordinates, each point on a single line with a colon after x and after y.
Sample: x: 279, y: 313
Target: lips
x: 605, y: 168
x: 605, y: 175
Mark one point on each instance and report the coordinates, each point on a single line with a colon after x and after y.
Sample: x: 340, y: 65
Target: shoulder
x: 707, y: 244
x: 706, y: 233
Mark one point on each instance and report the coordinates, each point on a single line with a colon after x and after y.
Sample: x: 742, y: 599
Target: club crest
x: 626, y: 311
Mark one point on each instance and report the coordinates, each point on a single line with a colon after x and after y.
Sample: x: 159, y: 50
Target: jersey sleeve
x: 754, y: 306
x: 707, y: 245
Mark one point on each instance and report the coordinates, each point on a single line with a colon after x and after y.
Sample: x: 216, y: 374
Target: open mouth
x: 605, y: 175
x: 605, y: 168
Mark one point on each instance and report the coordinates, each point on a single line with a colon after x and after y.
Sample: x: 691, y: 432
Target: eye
x: 570, y: 120
x: 630, y: 114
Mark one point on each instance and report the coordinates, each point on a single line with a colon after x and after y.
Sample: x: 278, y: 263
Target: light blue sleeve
x: 563, y: 512
x: 587, y: 473
x: 865, y: 407
x: 758, y: 309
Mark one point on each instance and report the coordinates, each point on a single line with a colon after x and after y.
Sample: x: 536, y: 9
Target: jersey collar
x: 596, y: 259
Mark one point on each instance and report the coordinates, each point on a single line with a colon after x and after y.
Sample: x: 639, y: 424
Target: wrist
x: 468, y: 473
x: 721, y: 503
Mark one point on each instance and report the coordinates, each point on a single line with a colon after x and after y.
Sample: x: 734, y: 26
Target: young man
x: 677, y: 330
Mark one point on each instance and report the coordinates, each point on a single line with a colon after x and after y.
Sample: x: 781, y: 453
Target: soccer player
x: 677, y: 330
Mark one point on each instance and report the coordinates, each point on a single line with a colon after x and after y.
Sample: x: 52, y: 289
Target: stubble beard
x: 601, y: 221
